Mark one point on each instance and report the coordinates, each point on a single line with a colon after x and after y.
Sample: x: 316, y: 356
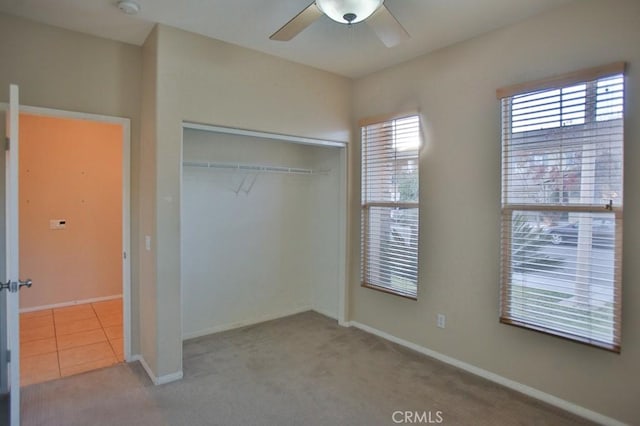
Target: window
x: 562, y: 199
x: 390, y: 182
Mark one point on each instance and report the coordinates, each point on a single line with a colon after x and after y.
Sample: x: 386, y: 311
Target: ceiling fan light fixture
x: 348, y: 11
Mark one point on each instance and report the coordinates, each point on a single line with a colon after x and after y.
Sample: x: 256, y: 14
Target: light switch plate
x: 441, y: 320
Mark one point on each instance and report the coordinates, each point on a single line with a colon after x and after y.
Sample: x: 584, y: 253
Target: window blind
x: 390, y: 205
x: 562, y: 205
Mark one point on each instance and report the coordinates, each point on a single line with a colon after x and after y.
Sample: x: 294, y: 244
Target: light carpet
x: 299, y: 370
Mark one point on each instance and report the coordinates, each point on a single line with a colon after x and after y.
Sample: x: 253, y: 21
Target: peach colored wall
x: 72, y: 170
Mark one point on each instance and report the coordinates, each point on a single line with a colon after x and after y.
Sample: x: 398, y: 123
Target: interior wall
x: 66, y: 70
x: 218, y: 83
x: 454, y: 89
x: 70, y: 170
x: 247, y: 239
x: 146, y: 243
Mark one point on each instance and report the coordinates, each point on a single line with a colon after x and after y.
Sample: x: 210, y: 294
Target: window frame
x: 506, y: 95
x: 367, y: 205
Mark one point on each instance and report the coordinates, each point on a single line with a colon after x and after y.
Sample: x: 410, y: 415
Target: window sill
x: 388, y: 291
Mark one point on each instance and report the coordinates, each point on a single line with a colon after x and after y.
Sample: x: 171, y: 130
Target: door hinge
x: 125, y: 255
x: 8, y: 355
x: 10, y: 286
x: 7, y: 143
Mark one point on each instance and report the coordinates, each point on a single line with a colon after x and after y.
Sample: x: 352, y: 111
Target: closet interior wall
x: 257, y: 245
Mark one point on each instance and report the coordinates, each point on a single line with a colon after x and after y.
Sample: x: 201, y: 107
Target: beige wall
x: 70, y: 170
x: 460, y: 202
x: 148, y: 294
x: 217, y: 83
x: 66, y: 70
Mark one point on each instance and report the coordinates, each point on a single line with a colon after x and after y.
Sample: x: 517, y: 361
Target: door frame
x: 12, y: 257
x: 126, y: 197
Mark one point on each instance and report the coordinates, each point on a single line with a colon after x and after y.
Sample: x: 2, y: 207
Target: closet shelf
x: 254, y: 168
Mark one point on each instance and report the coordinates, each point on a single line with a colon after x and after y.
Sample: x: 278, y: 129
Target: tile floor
x: 65, y: 341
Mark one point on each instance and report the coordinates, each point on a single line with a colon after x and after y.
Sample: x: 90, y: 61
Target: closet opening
x: 263, y: 228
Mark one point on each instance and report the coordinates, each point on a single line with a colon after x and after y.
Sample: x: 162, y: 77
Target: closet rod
x: 254, y: 168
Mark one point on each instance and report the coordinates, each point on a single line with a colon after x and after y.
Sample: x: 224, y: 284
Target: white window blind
x: 390, y: 187
x: 562, y: 203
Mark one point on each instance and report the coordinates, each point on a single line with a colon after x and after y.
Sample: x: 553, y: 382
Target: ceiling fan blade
x: 387, y: 27
x: 301, y: 21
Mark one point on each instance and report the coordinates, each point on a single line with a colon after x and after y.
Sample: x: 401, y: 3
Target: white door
x: 12, y: 284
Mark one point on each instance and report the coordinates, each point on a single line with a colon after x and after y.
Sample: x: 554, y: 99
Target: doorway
x: 73, y: 243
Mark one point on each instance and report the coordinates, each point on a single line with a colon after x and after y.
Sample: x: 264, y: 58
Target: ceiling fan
x: 349, y: 12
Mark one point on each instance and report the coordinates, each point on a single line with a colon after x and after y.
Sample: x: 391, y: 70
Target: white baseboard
x: 72, y: 303
x: 167, y: 378
x: 252, y: 321
x: 511, y: 384
x: 326, y: 313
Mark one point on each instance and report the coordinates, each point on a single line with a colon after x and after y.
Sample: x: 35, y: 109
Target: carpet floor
x: 299, y: 370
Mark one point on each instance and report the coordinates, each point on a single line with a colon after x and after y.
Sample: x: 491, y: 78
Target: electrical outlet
x: 441, y: 320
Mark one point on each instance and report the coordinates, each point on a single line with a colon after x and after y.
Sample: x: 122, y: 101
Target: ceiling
x: 350, y: 51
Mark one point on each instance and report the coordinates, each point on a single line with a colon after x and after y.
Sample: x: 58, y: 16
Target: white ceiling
x: 350, y: 51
